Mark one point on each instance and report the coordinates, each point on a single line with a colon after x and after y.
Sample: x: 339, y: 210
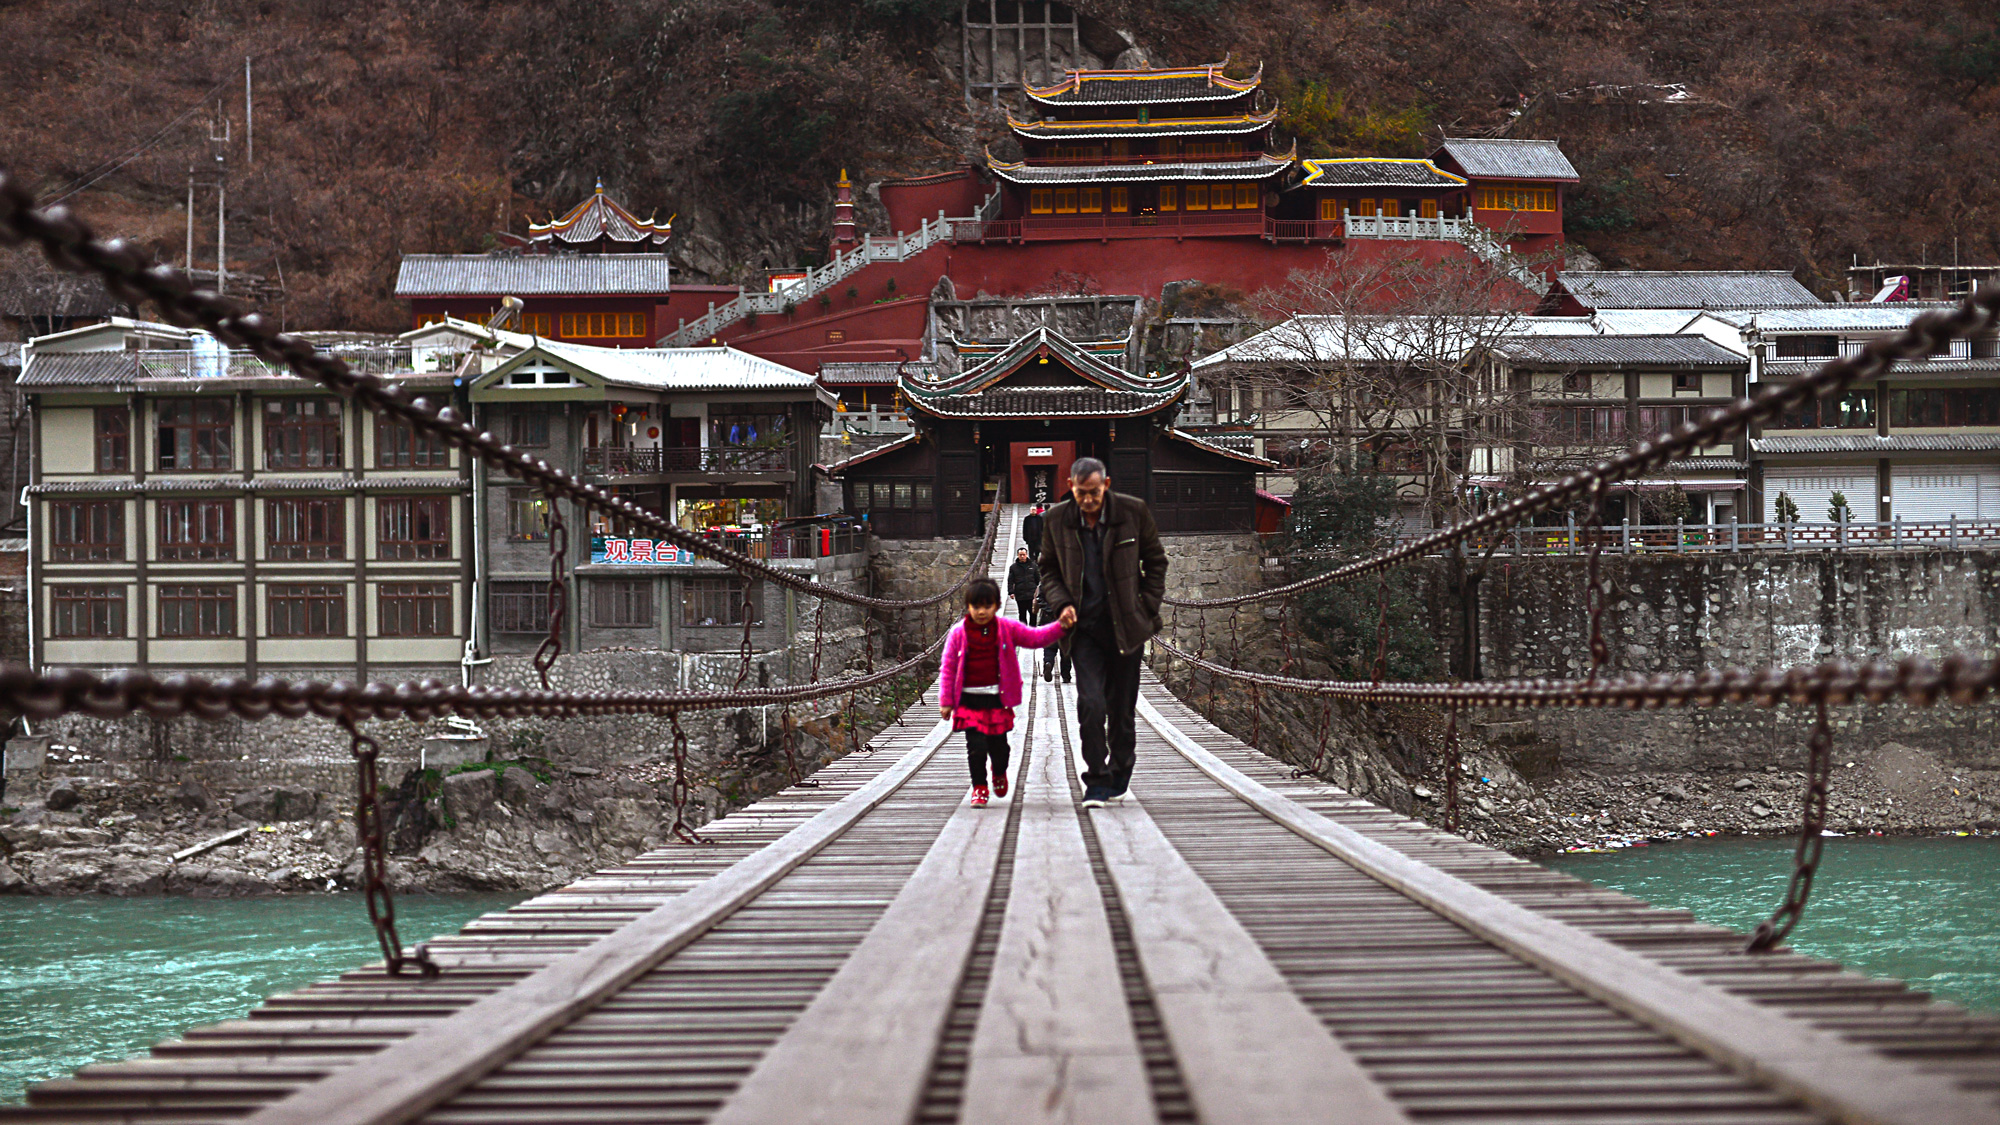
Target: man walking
x: 1021, y: 583
x: 1043, y: 616
x: 1104, y: 574
x: 1031, y: 531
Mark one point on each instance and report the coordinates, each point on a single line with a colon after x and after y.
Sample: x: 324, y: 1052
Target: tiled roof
x: 1319, y: 339
x: 1641, y: 322
x: 1855, y: 317
x: 1905, y: 368
x: 601, y: 217
x: 1139, y: 87
x: 846, y: 463
x: 57, y: 369
x: 1047, y: 402
x: 1234, y: 124
x: 1221, y: 450
x: 1675, y: 351
x: 1044, y: 340
x: 851, y: 374
x: 1509, y: 159
x: 1684, y: 289
x: 490, y: 275
x: 673, y: 369
x: 1869, y: 443
x: 1265, y: 164
x: 1371, y: 172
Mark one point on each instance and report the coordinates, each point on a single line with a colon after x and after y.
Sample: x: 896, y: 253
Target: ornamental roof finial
x: 600, y: 185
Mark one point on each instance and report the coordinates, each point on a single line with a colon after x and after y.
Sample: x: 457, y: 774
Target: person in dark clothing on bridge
x: 1021, y: 583
x: 1104, y: 573
x: 1044, y: 616
x: 1031, y: 532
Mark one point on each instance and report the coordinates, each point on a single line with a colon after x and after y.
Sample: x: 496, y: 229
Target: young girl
x: 979, y: 684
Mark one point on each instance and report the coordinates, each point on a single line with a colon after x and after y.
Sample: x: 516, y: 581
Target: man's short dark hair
x: 1021, y: 550
x: 1083, y: 468
x: 982, y: 591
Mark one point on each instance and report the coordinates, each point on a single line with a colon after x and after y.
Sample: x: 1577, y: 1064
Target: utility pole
x: 221, y: 142
x: 188, y: 262
x: 249, y: 123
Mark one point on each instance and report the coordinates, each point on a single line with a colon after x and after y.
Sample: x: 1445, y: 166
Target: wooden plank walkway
x: 1228, y: 944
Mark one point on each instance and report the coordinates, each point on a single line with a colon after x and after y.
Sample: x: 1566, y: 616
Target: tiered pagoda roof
x: 1228, y: 125
x: 1006, y: 385
x: 1253, y: 166
x: 601, y: 218
x: 1143, y: 87
x: 1367, y: 171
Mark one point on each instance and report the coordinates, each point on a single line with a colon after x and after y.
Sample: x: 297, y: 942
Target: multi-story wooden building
x: 193, y: 508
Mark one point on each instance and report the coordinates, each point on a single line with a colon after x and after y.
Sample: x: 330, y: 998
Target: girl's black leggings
x: 980, y: 747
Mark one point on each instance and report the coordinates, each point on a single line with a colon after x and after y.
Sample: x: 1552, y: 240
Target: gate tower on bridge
x: 1023, y: 415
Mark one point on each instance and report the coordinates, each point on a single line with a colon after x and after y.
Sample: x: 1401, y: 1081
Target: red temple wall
x: 912, y: 202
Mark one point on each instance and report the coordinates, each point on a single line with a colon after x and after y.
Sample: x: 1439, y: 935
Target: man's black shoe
x: 1048, y: 676
x: 1093, y: 797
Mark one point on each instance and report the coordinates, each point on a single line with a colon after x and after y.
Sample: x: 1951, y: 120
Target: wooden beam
x: 419, y: 1072
x: 1848, y: 1082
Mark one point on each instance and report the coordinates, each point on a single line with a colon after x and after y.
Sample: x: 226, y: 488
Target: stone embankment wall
x: 1684, y: 613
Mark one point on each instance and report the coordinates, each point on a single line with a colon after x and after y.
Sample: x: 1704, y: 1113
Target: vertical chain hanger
x: 551, y: 647
x: 682, y: 830
x: 371, y: 836
x: 1812, y: 828
x: 1594, y: 585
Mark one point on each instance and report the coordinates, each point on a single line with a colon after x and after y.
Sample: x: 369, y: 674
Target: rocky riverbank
x: 1893, y: 789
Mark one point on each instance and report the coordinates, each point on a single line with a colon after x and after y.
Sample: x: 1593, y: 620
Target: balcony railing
x: 1406, y: 227
x: 1636, y: 539
x: 871, y: 422
x: 1037, y: 227
x: 612, y: 461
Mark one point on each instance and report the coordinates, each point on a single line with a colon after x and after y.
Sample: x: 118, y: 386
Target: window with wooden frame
x: 1576, y: 382
x: 1427, y: 209
x: 1118, y: 199
x: 1169, y: 197
x: 527, y: 427
x: 87, y: 611
x: 1807, y: 347
x: 400, y: 445
x: 1392, y: 208
x: 305, y: 611
x: 538, y: 324
x: 1246, y: 197
x: 197, y: 611
x: 1364, y: 207
x: 1197, y: 197
x: 1687, y: 382
x: 1065, y: 201
x: 305, y: 528
x: 527, y: 515
x: 197, y: 530
x: 573, y: 326
x: 719, y: 601
x: 1516, y: 199
x: 1041, y: 201
x: 414, y: 609
x: 302, y: 433
x: 86, y: 530
x: 114, y: 439
x: 622, y: 603
x: 413, y: 527
x: 1090, y: 199
x: 194, y: 432
x: 519, y: 607
x: 1329, y: 209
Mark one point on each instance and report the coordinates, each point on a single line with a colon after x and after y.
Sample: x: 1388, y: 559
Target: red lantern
x: 652, y: 431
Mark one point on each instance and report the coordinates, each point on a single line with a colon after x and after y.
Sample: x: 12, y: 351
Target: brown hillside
x: 1803, y: 133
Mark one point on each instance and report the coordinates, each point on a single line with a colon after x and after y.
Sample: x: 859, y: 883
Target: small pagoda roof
x: 598, y: 217
x: 1506, y: 158
x: 1369, y: 171
x: 1228, y: 125
x: 1261, y: 166
x: 1146, y: 87
x: 1106, y: 391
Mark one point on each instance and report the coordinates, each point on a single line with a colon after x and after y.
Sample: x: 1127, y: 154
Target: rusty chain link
x: 679, y: 790
x: 749, y: 623
x: 551, y: 647
x: 1805, y: 861
x: 1593, y: 583
x: 1382, y: 629
x: 1452, y: 763
x: 372, y: 840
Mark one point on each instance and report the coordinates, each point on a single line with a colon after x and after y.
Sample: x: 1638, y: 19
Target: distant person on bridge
x: 1031, y: 532
x: 979, y: 684
x: 1021, y: 583
x: 1104, y: 573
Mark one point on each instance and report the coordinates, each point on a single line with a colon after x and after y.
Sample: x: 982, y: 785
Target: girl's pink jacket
x: 1011, y: 633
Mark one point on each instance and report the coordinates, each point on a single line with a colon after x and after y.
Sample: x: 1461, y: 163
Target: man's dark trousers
x: 1023, y: 604
x: 1107, y: 688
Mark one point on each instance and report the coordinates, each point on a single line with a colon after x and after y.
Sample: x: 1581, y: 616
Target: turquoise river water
x: 93, y: 979
x: 90, y: 979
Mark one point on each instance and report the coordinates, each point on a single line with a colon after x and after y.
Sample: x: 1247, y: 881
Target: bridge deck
x: 1229, y: 944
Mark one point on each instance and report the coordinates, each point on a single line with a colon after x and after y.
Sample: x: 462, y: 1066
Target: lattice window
x: 306, y: 611
x: 87, y: 611
x: 719, y: 601
x: 197, y: 611
x: 415, y: 609
x: 519, y: 607
x: 302, y: 433
x: 195, y: 433
x: 306, y: 528
x: 622, y: 603
x: 413, y: 527
x: 86, y: 530
x: 197, y: 530
x: 114, y: 439
x: 400, y: 445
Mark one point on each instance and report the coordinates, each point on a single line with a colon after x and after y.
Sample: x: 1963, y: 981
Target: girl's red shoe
x: 999, y: 784
x: 979, y: 796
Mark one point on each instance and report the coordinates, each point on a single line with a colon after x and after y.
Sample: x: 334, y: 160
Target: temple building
x: 598, y: 225
x: 1023, y: 415
x: 1140, y: 154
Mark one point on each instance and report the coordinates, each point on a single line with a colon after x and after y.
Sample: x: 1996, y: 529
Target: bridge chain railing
x: 71, y: 245
x: 1961, y: 678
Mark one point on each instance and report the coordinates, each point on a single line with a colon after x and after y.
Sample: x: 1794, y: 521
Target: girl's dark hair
x: 982, y: 591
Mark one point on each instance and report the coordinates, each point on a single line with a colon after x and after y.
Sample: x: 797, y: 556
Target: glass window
x: 197, y: 530
x: 197, y: 611
x: 306, y: 611
x: 87, y: 530
x: 1090, y: 199
x: 1065, y: 201
x: 1428, y: 209
x: 413, y: 527
x: 1197, y: 197
x: 1169, y: 197
x: 520, y: 607
x: 302, y: 433
x: 1791, y: 347
x: 87, y: 611
x: 306, y: 528
x: 414, y: 609
x: 1516, y: 199
x: 194, y: 433
x: 624, y: 603
x: 527, y: 427
x: 1118, y: 199
x: 114, y: 439
x: 1041, y: 201
x: 399, y: 445
x: 527, y: 514
x: 719, y: 601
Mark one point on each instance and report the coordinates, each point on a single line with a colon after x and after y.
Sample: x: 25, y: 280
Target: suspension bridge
x: 1236, y: 941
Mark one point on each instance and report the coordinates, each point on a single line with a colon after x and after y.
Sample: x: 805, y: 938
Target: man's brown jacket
x: 1135, y: 565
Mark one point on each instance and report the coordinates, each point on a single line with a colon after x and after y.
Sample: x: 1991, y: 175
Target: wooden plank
x: 1848, y: 1082
x: 1249, y: 1050
x: 446, y: 1055
x: 1054, y: 1041
x: 862, y: 1051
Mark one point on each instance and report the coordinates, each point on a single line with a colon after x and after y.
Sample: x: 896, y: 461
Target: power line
x: 91, y: 177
